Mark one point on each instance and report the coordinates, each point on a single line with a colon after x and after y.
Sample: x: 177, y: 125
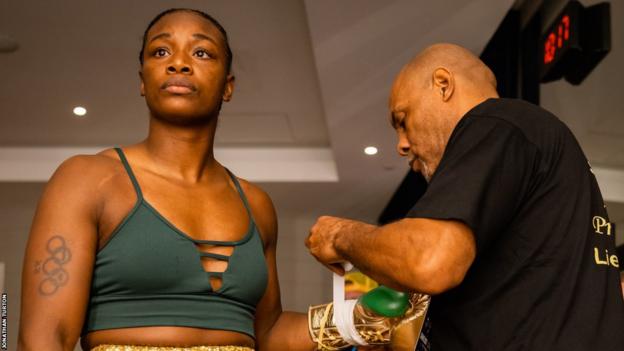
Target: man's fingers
x: 320, y: 244
x: 336, y: 268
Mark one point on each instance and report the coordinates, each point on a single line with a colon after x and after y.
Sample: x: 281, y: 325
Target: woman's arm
x: 275, y: 329
x: 59, y: 259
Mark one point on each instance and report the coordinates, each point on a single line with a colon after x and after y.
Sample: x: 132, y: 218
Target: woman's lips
x: 178, y: 89
x: 179, y: 86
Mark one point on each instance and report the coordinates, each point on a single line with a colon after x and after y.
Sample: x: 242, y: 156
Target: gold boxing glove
x: 381, y: 317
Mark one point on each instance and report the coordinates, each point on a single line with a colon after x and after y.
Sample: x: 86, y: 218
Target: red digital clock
x: 561, y: 43
x: 556, y: 39
x: 575, y: 42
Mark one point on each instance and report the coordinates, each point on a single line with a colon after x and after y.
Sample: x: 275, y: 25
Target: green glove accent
x: 385, y: 302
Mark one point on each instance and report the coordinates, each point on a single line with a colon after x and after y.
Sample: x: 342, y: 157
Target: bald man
x: 511, y: 237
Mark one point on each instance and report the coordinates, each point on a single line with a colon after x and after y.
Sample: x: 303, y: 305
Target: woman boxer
x: 157, y: 246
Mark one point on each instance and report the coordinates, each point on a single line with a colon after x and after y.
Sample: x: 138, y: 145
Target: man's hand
x: 324, y: 235
x: 321, y: 242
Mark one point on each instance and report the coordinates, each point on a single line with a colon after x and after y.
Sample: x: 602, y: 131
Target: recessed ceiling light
x: 80, y: 111
x: 370, y: 150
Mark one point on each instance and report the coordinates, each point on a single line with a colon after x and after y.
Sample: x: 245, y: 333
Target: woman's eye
x: 160, y: 52
x: 203, y: 54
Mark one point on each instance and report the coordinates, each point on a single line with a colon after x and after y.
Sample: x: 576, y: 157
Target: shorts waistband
x: 168, y: 348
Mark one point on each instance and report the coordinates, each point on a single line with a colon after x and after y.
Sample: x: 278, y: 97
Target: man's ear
x: 229, y: 87
x: 444, y: 82
x: 142, y: 84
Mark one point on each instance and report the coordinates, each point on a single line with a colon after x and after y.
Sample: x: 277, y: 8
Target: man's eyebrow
x: 161, y: 36
x: 394, y: 119
x: 200, y: 36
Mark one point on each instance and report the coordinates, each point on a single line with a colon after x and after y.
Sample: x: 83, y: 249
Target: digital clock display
x: 576, y: 41
x: 557, y: 39
x: 561, y: 42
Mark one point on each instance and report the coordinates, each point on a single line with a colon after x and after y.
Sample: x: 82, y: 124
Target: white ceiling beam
x: 256, y: 164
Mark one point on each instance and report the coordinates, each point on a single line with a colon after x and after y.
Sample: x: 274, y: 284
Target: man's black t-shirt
x: 545, y: 276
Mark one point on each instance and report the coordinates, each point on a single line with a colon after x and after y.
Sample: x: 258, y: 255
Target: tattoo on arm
x: 55, y: 276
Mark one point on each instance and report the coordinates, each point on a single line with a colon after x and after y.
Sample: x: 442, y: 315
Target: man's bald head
x: 430, y: 96
x: 459, y: 61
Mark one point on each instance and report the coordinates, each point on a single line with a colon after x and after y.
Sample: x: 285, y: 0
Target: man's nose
x: 403, y: 145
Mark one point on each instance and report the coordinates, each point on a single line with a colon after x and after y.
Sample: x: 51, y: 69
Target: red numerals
x: 556, y: 39
x: 565, y: 21
x: 550, y: 48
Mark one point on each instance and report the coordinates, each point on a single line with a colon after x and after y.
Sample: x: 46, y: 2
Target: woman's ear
x: 229, y: 87
x: 142, y: 84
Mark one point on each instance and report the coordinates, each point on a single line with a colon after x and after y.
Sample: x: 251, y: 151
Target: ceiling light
x: 80, y: 111
x: 370, y: 150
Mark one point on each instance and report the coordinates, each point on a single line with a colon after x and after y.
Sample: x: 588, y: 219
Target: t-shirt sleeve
x: 482, y: 179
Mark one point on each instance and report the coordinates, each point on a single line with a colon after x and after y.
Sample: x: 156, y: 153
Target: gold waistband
x: 168, y: 348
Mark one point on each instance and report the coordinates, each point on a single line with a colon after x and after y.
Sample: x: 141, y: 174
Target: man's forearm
x: 377, y: 255
x: 404, y: 255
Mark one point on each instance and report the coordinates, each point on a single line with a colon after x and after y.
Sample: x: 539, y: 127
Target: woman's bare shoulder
x: 256, y: 194
x: 88, y: 168
x: 81, y: 177
x: 262, y: 209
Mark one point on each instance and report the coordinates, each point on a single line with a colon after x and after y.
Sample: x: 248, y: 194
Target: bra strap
x: 241, y: 193
x: 126, y: 165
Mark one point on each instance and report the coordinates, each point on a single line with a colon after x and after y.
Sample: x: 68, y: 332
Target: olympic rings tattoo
x: 52, y: 267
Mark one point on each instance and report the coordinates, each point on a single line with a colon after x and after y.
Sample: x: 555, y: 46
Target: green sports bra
x: 149, y: 273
